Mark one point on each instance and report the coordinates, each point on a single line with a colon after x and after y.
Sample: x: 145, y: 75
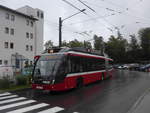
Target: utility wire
x: 86, y: 5
x: 74, y: 6
x: 125, y: 10
x: 87, y: 20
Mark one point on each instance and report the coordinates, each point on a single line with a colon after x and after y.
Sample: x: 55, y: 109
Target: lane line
x: 26, y: 109
x: 12, y: 100
x: 16, y: 104
x: 7, y: 97
x: 52, y: 110
x: 3, y: 94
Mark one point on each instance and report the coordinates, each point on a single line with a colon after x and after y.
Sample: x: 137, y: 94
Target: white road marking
x: 26, y: 109
x: 3, y: 94
x: 6, y: 97
x: 16, y: 104
x: 12, y: 100
x: 52, y: 110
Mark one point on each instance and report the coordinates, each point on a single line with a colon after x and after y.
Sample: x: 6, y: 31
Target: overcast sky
x: 127, y: 15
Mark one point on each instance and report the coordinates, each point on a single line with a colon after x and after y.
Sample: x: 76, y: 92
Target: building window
x: 0, y: 62
x: 27, y: 47
x: 11, y: 45
x: 7, y: 16
x: 12, y: 31
x: 27, y: 35
x: 42, y: 15
x: 31, y: 35
x: 6, y: 30
x: 6, y: 44
x: 5, y: 62
x: 31, y: 24
x: 38, y: 13
x: 12, y: 17
x: 27, y: 22
x: 31, y: 48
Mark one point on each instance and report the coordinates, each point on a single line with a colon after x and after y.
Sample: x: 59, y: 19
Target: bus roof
x: 76, y: 53
x: 88, y: 55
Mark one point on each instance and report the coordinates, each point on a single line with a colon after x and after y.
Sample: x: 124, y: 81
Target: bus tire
x: 79, y: 82
x: 102, y: 77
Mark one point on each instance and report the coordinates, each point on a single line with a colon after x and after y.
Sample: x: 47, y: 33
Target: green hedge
x: 5, y: 83
x: 21, y: 80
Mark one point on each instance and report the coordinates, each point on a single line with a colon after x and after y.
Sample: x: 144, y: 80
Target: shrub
x: 4, y: 83
x: 21, y: 80
x: 29, y: 77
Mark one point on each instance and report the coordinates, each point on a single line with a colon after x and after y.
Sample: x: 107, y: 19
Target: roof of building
x: 17, y: 12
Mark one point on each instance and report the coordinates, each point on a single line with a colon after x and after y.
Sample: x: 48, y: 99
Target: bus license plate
x: 39, y: 87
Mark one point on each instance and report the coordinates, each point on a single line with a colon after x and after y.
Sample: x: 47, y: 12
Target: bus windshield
x: 46, y: 66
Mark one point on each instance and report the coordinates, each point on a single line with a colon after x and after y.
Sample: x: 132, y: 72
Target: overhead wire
x: 86, y: 5
x: 66, y: 28
x: 87, y: 20
x: 125, y: 10
x: 69, y: 3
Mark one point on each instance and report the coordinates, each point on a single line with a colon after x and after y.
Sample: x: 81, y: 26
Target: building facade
x: 21, y: 35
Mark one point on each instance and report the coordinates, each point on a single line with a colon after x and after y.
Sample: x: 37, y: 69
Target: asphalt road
x: 115, y: 95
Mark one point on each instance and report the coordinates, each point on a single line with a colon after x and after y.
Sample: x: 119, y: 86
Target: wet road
x: 115, y: 95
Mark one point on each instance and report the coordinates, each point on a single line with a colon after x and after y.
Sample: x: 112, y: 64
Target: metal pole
x: 60, y: 32
x: 60, y: 25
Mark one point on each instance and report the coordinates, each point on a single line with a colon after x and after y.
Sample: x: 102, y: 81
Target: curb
x: 19, y: 90
x: 131, y: 110
x: 1, y: 91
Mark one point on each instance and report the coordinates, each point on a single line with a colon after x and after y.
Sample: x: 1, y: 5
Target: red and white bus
x: 69, y: 69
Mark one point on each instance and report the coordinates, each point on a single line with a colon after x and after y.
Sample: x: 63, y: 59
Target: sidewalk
x: 143, y: 104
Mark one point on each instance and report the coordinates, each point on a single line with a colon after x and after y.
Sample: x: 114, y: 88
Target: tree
x: 116, y: 49
x: 75, y: 43
x: 99, y: 44
x: 65, y: 44
x: 87, y: 45
x: 48, y: 44
x: 133, y: 43
x: 144, y: 35
x: 119, y: 34
x: 133, y: 50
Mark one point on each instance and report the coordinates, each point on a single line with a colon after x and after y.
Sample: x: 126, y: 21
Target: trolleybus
x: 69, y: 69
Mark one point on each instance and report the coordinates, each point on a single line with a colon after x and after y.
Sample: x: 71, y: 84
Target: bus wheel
x: 79, y: 82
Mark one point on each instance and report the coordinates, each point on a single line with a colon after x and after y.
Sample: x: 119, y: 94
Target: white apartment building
x: 21, y: 35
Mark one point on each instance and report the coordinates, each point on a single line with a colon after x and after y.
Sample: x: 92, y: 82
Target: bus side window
x: 69, y: 64
x: 65, y: 65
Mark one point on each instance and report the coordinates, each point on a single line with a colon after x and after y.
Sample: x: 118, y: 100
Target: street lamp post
x: 60, y: 32
x: 60, y: 25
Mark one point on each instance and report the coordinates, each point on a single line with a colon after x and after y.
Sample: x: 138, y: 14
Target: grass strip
x: 14, y: 88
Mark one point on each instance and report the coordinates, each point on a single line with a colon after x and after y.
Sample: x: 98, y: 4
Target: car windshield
x: 46, y: 66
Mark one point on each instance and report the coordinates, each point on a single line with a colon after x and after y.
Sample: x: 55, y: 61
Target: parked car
x: 123, y: 67
x: 134, y: 66
x: 115, y: 66
x: 145, y: 68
